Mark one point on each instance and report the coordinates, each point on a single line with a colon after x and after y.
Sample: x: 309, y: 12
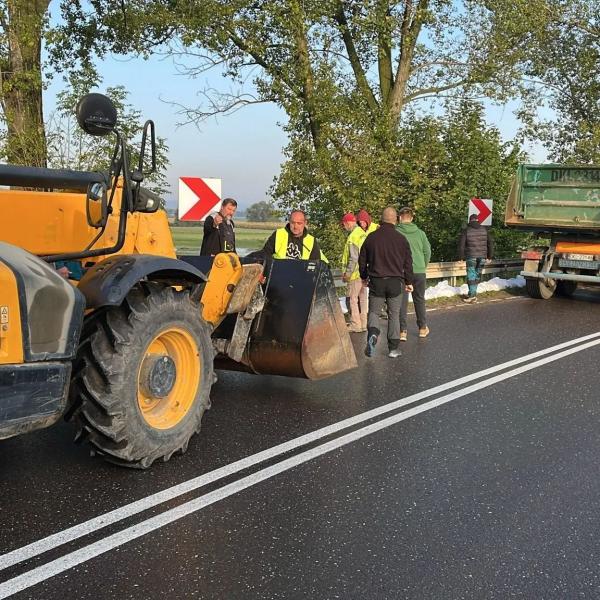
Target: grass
x: 188, y: 239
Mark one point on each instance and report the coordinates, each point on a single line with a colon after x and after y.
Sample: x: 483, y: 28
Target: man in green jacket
x: 421, y: 253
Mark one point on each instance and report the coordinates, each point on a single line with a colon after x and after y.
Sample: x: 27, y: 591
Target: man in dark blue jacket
x: 475, y: 245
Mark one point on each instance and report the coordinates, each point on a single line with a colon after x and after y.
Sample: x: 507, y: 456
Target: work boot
x: 394, y: 353
x: 424, y: 332
x: 403, y: 336
x: 371, y: 343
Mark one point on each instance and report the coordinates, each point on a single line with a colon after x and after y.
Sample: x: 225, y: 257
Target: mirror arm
x: 114, y: 163
x: 127, y: 187
x: 148, y: 125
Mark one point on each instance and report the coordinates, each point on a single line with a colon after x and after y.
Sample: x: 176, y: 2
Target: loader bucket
x: 300, y: 332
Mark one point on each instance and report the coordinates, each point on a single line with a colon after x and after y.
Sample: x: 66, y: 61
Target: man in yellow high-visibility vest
x: 357, y: 293
x: 294, y: 241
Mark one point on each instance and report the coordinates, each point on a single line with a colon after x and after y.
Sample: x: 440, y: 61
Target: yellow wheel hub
x: 168, y: 378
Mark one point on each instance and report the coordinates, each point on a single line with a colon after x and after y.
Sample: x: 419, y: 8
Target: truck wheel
x: 143, y: 376
x: 542, y: 289
x: 566, y: 288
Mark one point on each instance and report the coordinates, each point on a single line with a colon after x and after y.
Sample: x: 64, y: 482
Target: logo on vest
x: 293, y: 251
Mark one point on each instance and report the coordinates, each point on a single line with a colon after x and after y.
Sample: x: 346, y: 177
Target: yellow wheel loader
x: 103, y: 324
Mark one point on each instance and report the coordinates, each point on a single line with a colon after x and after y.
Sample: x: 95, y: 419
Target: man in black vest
x: 475, y: 244
x: 219, y: 230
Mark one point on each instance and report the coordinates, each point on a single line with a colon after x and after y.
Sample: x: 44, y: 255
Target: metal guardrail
x: 459, y: 268
x: 453, y: 270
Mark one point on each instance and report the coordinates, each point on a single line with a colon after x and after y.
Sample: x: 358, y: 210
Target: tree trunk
x: 306, y: 77
x: 21, y: 73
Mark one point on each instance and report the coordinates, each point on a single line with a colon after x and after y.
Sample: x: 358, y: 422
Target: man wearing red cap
x: 357, y: 293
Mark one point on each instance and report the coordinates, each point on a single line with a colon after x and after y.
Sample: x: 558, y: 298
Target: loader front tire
x: 143, y: 376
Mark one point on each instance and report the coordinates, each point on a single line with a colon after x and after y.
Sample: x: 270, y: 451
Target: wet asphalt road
x: 490, y: 493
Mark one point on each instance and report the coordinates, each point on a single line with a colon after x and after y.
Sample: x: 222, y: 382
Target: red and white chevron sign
x: 482, y: 208
x: 198, y: 197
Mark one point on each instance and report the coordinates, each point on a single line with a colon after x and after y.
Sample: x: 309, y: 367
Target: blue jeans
x: 474, y: 268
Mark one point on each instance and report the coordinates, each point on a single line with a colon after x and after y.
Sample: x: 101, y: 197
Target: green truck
x: 561, y: 204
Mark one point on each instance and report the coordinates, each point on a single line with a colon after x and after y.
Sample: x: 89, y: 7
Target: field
x: 188, y: 239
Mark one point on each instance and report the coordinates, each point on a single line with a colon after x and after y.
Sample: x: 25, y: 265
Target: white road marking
x: 77, y: 557
x: 77, y: 531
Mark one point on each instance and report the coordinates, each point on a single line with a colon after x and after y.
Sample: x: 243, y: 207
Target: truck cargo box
x: 555, y: 198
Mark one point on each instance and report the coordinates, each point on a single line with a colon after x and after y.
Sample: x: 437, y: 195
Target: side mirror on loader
x: 96, y: 205
x: 96, y: 114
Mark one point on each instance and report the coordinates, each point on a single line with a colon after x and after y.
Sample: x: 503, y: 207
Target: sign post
x: 482, y: 208
x: 198, y: 197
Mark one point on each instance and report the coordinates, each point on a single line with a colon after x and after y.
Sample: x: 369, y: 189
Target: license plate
x: 580, y: 256
x: 579, y: 264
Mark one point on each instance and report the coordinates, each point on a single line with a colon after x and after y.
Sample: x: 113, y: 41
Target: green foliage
x: 262, y: 211
x: 188, y: 239
x: 438, y: 164
x: 22, y: 23
x: 363, y: 84
x: 565, y: 71
x: 69, y: 147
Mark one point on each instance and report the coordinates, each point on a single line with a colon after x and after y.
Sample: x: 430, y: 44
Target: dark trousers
x: 418, y: 295
x: 385, y: 290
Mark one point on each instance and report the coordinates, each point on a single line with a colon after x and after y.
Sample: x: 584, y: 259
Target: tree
x: 443, y: 162
x: 450, y: 160
x: 69, y: 147
x: 343, y: 70
x: 565, y: 77
x: 356, y: 79
x: 261, y: 211
x: 22, y: 24
x: 24, y: 28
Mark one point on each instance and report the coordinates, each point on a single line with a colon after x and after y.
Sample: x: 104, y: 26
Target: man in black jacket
x: 385, y: 265
x: 475, y: 244
x: 219, y: 230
